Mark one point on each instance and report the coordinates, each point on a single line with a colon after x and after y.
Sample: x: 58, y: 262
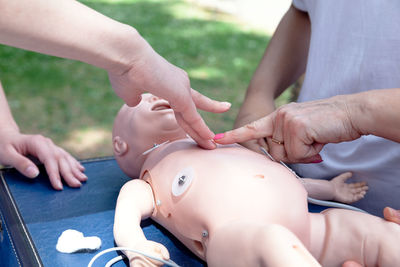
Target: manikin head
x: 137, y: 129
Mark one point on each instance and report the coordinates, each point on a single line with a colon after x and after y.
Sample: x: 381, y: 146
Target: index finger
x: 204, y: 143
x: 193, y: 120
x: 257, y: 129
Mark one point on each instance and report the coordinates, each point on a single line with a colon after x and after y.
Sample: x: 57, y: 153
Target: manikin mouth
x: 160, y: 106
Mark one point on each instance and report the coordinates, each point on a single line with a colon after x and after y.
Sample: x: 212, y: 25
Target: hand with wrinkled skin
x: 59, y: 164
x: 306, y: 127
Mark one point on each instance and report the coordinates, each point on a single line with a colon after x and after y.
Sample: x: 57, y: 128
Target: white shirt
x: 355, y: 47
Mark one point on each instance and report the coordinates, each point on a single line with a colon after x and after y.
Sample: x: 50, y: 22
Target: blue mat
x: 36, y: 215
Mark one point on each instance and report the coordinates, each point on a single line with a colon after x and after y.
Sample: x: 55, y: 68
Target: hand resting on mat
x: 59, y: 164
x: 15, y: 147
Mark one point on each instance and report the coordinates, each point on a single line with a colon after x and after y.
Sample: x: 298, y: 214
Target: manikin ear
x: 120, y: 146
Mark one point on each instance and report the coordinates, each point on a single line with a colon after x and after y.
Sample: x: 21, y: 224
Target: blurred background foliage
x: 73, y: 103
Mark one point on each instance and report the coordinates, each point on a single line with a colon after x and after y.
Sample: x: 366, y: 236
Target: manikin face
x: 140, y: 127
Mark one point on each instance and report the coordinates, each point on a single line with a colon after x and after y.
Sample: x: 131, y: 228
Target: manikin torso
x: 221, y: 186
x: 232, y: 184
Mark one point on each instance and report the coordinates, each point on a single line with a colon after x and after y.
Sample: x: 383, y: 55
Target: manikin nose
x: 154, y: 98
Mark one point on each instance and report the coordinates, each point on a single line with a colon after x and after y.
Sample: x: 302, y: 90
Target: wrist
x: 125, y: 48
x: 9, y: 130
x: 358, y: 108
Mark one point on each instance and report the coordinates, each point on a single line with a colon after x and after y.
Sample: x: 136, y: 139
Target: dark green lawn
x: 72, y: 102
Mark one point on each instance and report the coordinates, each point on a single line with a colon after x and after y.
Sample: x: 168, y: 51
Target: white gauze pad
x: 71, y: 241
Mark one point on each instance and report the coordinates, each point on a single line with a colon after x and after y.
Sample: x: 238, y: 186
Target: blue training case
x: 33, y: 215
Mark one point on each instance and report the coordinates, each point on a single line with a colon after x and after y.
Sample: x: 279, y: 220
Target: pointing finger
x: 257, y: 129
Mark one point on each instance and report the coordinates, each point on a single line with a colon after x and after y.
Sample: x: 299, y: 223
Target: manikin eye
x: 182, y: 181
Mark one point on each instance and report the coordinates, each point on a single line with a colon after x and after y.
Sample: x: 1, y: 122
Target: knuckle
x: 235, y: 135
x: 297, y: 122
x: 251, y: 128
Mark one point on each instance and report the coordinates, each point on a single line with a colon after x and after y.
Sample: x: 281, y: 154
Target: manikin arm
x: 336, y: 189
x: 135, y: 202
x: 254, y: 244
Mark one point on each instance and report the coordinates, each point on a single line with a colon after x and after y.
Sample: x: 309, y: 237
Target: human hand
x: 348, y: 192
x: 247, y: 116
x: 391, y: 215
x: 14, y: 147
x: 297, y: 132
x: 149, y: 72
x: 150, y: 248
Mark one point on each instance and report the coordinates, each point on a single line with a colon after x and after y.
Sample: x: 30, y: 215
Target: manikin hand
x: 150, y: 72
x: 14, y: 147
x: 151, y: 248
x: 348, y: 192
x: 297, y: 132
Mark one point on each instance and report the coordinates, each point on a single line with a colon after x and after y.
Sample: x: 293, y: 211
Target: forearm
x: 319, y: 189
x: 127, y: 230
x: 376, y: 112
x: 282, y: 63
x: 6, y: 119
x: 69, y: 29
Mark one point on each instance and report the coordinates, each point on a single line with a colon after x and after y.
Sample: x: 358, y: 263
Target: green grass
x: 73, y: 103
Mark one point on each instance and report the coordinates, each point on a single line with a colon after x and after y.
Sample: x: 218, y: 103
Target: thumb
x: 257, y: 129
x: 164, y: 253
x: 343, y: 177
x: 133, y: 99
x: 21, y: 163
x: 207, y: 104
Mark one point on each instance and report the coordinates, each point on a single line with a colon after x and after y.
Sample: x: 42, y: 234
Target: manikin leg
x: 245, y: 244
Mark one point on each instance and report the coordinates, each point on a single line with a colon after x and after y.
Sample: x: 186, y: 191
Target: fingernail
x: 32, y: 171
x: 59, y: 186
x: 317, y: 161
x: 218, y: 136
x: 227, y: 104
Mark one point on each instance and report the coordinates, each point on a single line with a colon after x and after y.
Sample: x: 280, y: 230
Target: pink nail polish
x: 317, y: 161
x: 219, y: 136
